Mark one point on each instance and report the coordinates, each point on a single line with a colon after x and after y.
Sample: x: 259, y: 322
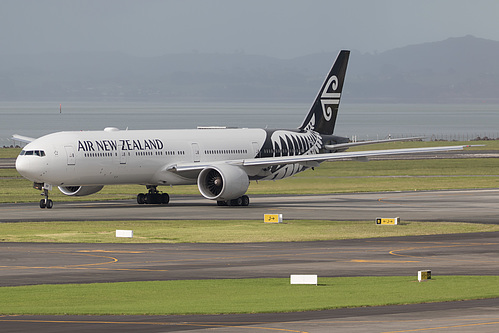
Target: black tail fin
x: 322, y: 115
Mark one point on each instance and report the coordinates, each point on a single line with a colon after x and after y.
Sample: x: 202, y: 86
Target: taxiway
x: 461, y: 254
x: 454, y: 206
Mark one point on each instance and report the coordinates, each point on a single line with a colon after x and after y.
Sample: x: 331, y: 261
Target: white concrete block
x: 124, y: 233
x: 303, y: 279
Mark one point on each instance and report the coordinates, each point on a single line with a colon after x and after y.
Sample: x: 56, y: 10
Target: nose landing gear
x: 46, y: 202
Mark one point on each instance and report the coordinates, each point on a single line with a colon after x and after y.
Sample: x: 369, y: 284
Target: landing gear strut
x: 241, y: 201
x: 153, y: 196
x: 44, y: 203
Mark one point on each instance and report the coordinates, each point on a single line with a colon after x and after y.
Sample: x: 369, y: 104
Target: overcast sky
x: 278, y: 28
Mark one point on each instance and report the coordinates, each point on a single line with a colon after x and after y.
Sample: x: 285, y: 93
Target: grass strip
x: 487, y: 145
x: 9, y: 152
x: 239, y: 296
x: 330, y: 177
x: 226, y: 231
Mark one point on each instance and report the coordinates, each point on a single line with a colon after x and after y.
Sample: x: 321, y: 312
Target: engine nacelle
x: 79, y: 191
x: 223, y: 182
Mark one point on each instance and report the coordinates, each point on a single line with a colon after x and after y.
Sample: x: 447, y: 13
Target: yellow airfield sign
x: 272, y: 218
x: 387, y: 221
x: 424, y: 275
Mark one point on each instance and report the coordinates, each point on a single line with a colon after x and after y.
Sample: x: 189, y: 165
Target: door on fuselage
x: 70, y: 153
x: 195, y: 152
x: 256, y: 149
x: 123, y: 155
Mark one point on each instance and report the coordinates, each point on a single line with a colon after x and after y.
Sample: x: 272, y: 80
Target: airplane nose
x: 23, y: 167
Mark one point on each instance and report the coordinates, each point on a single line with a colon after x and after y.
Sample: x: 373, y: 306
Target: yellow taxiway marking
x: 382, y: 261
x: 200, y: 324
x: 108, y: 251
x: 445, y: 327
x: 393, y: 252
x: 112, y: 260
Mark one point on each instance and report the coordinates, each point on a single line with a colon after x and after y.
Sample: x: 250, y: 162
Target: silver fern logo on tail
x: 330, y: 98
x: 286, y: 143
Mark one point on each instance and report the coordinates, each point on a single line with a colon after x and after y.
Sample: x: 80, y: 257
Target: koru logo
x: 328, y: 113
x: 328, y: 98
x: 333, y: 82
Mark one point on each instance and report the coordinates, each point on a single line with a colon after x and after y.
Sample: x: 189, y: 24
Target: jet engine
x: 223, y: 182
x: 80, y: 191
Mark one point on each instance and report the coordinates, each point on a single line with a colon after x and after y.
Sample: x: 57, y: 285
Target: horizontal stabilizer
x: 362, y: 143
x: 22, y: 138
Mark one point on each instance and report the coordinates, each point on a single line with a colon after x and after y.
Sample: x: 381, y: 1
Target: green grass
x: 208, y: 231
x: 380, y: 176
x: 430, y: 167
x: 239, y: 296
x: 330, y: 177
x: 487, y: 145
x: 9, y: 152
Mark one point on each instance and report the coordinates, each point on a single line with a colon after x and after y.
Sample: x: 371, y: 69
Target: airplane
x: 221, y: 161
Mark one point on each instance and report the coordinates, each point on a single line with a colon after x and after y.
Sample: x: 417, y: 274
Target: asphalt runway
x: 465, y: 316
x: 455, y: 206
x: 462, y: 254
x: 7, y: 163
x: 49, y: 263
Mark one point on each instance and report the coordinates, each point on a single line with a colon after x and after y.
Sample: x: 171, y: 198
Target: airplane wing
x: 362, y: 143
x: 309, y: 160
x: 22, y: 138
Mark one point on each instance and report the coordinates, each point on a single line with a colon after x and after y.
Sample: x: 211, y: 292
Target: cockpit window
x: 40, y: 153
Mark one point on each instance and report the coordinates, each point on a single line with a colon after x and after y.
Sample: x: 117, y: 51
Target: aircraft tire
x: 221, y: 203
x: 42, y: 203
x: 141, y: 198
x: 236, y: 202
x: 245, y: 200
x: 49, y: 204
x: 165, y: 198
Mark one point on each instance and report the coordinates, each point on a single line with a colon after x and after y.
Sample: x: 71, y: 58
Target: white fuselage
x: 134, y: 157
x: 221, y: 161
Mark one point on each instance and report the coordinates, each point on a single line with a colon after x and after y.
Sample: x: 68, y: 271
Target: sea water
x: 357, y: 121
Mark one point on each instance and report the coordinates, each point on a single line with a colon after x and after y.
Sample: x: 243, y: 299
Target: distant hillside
x: 452, y: 70
x: 464, y: 69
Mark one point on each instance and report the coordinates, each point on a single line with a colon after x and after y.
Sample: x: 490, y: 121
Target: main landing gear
x: 241, y: 201
x: 153, y: 197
